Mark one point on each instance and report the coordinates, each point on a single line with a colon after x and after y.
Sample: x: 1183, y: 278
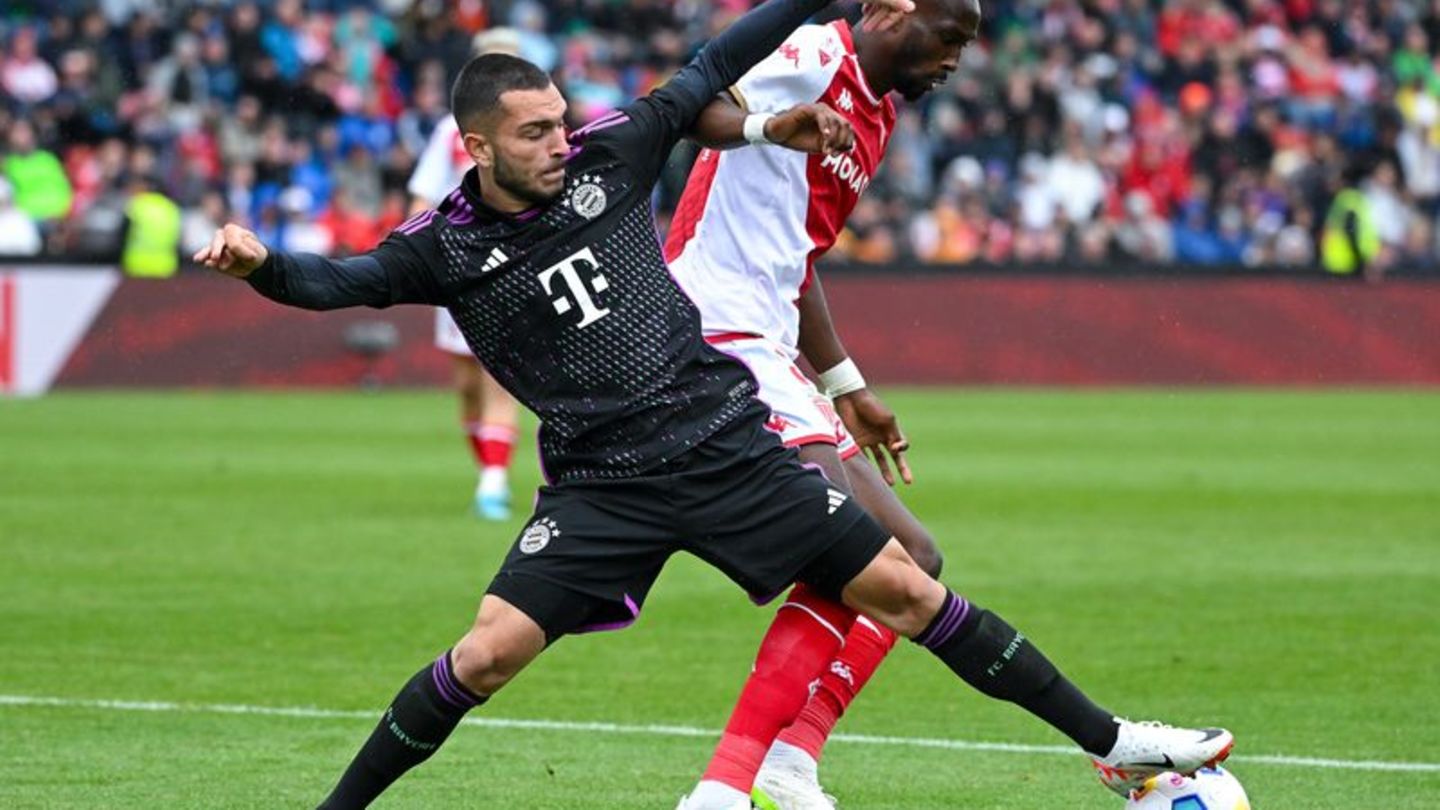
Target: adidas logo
x: 836, y: 498
x: 497, y: 258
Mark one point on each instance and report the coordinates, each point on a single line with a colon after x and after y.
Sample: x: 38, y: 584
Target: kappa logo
x: 497, y: 258
x: 846, y: 101
x: 791, y: 52
x: 841, y: 671
x: 538, y: 535
x: 836, y: 498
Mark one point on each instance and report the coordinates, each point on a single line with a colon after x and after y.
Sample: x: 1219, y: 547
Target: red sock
x: 492, y: 444
x: 866, y: 645
x: 805, y: 635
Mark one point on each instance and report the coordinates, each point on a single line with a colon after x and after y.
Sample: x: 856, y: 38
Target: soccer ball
x: 1209, y: 789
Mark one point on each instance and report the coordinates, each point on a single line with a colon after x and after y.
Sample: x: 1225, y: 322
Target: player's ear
x: 480, y: 149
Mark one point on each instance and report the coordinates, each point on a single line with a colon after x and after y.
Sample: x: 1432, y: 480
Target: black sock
x: 427, y: 709
x: 1001, y: 662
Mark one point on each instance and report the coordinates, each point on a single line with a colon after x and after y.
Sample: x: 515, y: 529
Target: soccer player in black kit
x: 652, y: 442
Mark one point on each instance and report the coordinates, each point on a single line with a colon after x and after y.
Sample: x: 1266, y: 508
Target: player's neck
x: 497, y: 199
x: 875, y: 64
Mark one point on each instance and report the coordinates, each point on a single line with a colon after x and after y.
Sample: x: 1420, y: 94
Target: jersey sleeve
x: 395, y: 272
x: 643, y: 132
x: 798, y: 72
x: 434, y: 172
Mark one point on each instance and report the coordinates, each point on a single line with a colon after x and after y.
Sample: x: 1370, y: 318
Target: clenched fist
x: 813, y: 128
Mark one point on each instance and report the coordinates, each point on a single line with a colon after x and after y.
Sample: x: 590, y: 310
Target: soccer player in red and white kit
x: 743, y: 245
x: 488, y: 413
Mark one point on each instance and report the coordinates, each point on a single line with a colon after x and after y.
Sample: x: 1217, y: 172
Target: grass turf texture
x: 1270, y: 561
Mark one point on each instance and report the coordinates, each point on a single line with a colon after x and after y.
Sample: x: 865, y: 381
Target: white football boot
x: 1145, y: 749
x: 706, y: 797
x: 789, y: 779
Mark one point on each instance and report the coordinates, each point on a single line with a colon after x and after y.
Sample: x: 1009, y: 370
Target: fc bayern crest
x: 538, y: 535
x: 588, y: 201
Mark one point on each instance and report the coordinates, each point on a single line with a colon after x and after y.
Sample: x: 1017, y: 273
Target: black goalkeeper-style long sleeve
x: 655, y: 122
x: 393, y: 273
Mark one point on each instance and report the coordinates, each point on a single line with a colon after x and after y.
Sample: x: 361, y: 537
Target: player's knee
x: 896, y: 592
x: 484, y: 664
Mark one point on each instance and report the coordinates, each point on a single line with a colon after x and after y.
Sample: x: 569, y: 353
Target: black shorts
x: 739, y: 500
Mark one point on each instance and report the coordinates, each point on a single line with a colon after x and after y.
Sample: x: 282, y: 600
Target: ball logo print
x: 538, y: 535
x: 589, y: 201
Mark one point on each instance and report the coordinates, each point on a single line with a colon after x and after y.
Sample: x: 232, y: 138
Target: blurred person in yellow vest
x: 1350, y: 242
x: 152, y: 232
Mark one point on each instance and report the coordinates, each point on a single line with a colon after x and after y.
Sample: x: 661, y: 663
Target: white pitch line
x: 33, y: 701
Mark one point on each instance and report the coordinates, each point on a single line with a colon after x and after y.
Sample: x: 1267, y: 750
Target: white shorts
x: 798, y: 411
x: 447, y: 334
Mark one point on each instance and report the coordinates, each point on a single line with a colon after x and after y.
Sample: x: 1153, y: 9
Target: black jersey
x: 571, y: 305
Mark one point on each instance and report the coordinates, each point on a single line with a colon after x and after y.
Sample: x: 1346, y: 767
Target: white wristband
x: 841, y: 379
x: 755, y: 128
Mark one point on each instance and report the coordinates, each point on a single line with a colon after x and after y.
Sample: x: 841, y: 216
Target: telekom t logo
x: 569, y: 271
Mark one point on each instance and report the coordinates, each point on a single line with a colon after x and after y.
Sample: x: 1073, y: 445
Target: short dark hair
x: 485, y: 78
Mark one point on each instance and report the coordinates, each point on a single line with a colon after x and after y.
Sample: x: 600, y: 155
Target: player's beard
x: 521, y: 185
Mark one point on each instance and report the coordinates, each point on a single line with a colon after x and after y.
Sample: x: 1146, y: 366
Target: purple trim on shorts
x: 618, y: 625
x: 942, y: 628
x: 442, y: 676
x: 810, y: 465
x: 416, y: 222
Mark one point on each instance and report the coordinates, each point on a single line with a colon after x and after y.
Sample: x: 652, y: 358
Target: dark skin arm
x: 869, y: 420
x: 813, y: 128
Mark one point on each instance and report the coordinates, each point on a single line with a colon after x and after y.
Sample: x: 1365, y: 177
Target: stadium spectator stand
x: 1301, y: 133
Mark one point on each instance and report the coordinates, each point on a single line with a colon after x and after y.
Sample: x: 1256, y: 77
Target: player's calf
x: 431, y: 704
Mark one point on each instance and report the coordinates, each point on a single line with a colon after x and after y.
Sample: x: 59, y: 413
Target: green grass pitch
x: 1269, y: 561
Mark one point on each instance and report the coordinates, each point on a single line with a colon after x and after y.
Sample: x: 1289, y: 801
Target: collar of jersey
x: 847, y: 36
x: 470, y: 188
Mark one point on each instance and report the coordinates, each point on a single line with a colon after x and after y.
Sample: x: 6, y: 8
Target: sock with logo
x: 998, y: 660
x: 419, y: 719
x: 866, y: 645
x: 803, y: 638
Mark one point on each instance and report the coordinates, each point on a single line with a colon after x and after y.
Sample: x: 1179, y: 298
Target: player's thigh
x: 758, y: 514
x: 500, y: 407
x: 826, y: 459
x: 502, y: 641
x: 893, y: 591
x: 587, y: 557
x: 880, y: 500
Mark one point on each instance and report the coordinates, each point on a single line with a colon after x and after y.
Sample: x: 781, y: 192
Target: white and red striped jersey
x: 752, y: 221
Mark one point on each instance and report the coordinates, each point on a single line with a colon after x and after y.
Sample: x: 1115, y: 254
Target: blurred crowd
x: 1227, y: 132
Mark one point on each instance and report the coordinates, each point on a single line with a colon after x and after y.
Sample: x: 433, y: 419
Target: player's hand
x: 234, y: 251
x: 813, y: 128
x: 872, y: 424
x: 883, y: 15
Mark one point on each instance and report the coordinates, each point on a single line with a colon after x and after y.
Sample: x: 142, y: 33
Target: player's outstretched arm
x: 813, y: 128
x: 870, y: 421
x: 393, y: 273
x: 664, y: 116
